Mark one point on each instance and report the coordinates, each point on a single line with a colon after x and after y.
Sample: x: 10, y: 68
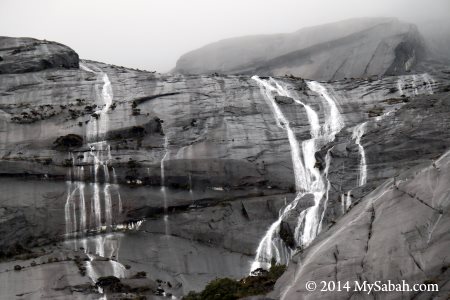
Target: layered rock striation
x: 107, y: 158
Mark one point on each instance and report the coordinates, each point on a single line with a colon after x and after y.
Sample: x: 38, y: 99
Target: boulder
x: 284, y: 100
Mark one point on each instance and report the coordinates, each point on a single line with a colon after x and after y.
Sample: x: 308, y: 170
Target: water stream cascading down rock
x: 308, y: 178
x: 97, y: 159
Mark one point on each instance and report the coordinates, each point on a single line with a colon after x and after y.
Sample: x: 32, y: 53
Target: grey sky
x: 152, y: 34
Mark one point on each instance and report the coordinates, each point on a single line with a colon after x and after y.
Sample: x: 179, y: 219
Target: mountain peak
x: 351, y: 48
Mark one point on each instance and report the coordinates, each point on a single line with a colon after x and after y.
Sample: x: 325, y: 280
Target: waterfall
x: 105, y: 246
x: 68, y: 208
x: 82, y: 202
x: 75, y: 187
x: 101, y: 162
x: 348, y: 201
x: 357, y: 134
x: 407, y: 85
x: 334, y: 122
x: 98, y: 127
x: 269, y: 87
x: 327, y: 168
x: 163, y: 188
x: 308, y: 179
x: 166, y: 152
x: 95, y: 205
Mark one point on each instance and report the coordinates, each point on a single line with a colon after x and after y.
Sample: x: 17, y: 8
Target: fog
x: 152, y: 34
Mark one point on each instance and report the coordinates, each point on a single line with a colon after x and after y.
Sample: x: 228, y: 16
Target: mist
x: 152, y: 35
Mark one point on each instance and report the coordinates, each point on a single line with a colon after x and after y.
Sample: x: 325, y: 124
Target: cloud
x: 150, y: 34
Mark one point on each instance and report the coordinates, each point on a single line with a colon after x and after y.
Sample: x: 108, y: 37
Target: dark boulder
x: 284, y: 100
x: 111, y: 284
x: 17, y: 268
x: 287, y: 234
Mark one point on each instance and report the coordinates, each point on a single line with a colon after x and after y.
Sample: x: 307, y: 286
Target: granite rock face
x: 21, y: 55
x: 352, y: 48
x: 182, y: 175
x: 398, y: 232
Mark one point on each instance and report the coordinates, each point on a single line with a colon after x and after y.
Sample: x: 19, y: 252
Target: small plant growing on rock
x: 68, y: 141
x: 138, y: 131
x: 375, y: 111
x: 67, y: 163
x: 17, y: 267
x: 141, y: 274
x: 260, y: 282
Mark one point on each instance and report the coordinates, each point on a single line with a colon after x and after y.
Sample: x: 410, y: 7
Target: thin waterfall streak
x: 328, y: 185
x: 357, y: 134
x: 68, y: 218
x: 108, y: 205
x: 334, y: 122
x: 166, y: 152
x: 120, y: 202
x: 69, y: 209
x: 163, y: 188
x: 97, y: 205
x: 82, y: 208
x: 348, y: 200
x: 282, y: 122
x: 74, y: 212
x: 300, y: 226
x: 92, y: 213
x: 430, y: 233
x: 100, y: 125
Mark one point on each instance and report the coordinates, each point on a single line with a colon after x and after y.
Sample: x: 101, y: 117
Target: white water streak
x: 357, y: 134
x: 268, y: 87
x: 163, y: 188
x: 97, y: 128
x: 308, y: 179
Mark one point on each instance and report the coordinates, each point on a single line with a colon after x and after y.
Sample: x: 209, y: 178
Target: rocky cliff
x: 187, y: 177
x: 398, y: 233
x: 21, y: 55
x: 352, y: 48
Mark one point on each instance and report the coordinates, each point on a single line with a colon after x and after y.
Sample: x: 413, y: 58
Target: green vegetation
x: 258, y: 283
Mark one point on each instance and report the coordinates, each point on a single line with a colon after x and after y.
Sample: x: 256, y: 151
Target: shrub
x: 68, y: 141
x: 260, y: 282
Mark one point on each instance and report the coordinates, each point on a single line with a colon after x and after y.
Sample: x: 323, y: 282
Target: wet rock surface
x: 397, y: 232
x: 21, y: 55
x: 180, y: 176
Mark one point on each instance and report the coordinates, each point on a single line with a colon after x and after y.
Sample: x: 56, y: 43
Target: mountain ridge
x: 367, y: 39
